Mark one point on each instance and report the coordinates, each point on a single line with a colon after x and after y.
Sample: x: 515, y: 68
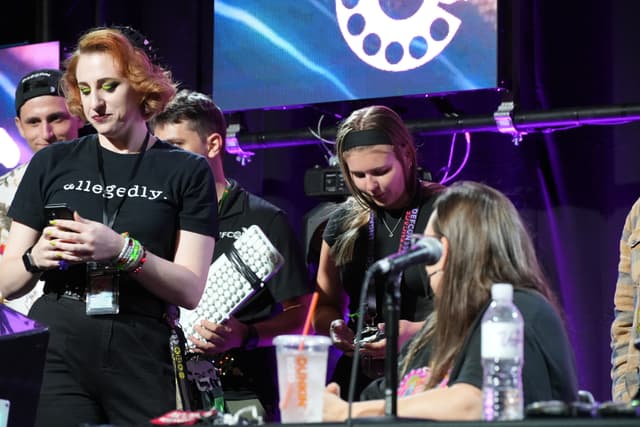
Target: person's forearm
x: 182, y: 281
x: 332, y: 299
x: 459, y: 402
x: 324, y: 315
x: 369, y: 408
x: 289, y: 321
x: 15, y: 281
x: 337, y: 410
x: 171, y: 282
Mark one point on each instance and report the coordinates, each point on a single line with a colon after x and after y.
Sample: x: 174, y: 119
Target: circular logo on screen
x: 396, y: 35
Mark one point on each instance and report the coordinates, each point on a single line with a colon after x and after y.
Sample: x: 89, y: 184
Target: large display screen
x: 277, y: 53
x: 15, y: 62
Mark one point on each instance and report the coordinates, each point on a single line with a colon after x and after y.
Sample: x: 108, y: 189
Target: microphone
x: 427, y: 250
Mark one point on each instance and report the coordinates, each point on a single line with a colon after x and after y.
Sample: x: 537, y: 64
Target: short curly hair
x: 151, y: 82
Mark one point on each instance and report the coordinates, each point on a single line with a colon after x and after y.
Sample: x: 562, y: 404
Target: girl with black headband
x: 388, y: 204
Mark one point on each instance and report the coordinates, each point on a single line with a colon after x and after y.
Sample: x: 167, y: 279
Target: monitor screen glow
x: 278, y: 53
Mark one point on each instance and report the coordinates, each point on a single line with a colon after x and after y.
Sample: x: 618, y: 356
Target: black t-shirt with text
x: 171, y: 190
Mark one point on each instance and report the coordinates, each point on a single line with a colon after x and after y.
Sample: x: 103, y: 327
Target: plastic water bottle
x: 502, y: 356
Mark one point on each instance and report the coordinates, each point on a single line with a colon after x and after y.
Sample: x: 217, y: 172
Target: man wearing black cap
x: 42, y: 118
x: 41, y: 113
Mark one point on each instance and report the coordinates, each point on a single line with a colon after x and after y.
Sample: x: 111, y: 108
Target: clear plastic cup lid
x: 294, y: 340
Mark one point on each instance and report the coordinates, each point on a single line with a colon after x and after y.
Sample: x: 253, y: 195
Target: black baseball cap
x: 37, y: 83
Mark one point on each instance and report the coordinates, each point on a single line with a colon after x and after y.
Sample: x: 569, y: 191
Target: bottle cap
x: 502, y: 291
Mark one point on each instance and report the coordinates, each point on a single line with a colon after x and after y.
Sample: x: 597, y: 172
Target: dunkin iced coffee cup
x: 302, y: 368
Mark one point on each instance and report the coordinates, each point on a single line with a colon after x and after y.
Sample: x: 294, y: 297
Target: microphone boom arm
x: 392, y: 318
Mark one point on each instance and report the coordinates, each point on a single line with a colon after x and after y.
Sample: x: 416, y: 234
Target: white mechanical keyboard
x: 233, y: 278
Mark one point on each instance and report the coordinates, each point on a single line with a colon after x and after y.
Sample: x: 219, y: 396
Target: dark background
x: 573, y: 186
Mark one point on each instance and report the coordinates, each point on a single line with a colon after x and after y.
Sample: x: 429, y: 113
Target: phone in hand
x: 55, y: 211
x: 370, y: 334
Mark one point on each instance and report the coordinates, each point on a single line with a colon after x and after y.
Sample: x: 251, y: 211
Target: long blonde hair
x: 488, y: 243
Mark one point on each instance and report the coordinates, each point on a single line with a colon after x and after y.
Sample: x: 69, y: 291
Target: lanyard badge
x: 103, y: 289
x: 103, y: 280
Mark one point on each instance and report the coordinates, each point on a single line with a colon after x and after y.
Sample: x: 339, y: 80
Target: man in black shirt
x: 244, y: 342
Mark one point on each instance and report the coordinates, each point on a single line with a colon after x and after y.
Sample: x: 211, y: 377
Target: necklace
x: 225, y: 193
x: 390, y: 230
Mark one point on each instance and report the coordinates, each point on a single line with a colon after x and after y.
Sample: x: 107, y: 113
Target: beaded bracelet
x: 143, y: 259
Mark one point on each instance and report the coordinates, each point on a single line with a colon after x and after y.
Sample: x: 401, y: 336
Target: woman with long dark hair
x: 484, y: 242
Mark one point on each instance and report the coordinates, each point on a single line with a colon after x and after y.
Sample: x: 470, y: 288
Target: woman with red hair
x: 114, y: 271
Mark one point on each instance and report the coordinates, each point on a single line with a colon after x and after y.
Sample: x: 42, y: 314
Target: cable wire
x: 446, y: 178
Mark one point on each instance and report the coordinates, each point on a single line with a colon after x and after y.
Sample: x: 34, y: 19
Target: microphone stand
x: 392, y: 314
x: 427, y: 253
x: 391, y: 309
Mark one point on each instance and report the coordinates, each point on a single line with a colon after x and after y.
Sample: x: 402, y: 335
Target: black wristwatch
x: 251, y: 340
x: 28, y: 262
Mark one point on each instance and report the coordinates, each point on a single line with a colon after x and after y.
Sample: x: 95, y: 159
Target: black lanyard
x: 107, y: 219
x: 410, y: 219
